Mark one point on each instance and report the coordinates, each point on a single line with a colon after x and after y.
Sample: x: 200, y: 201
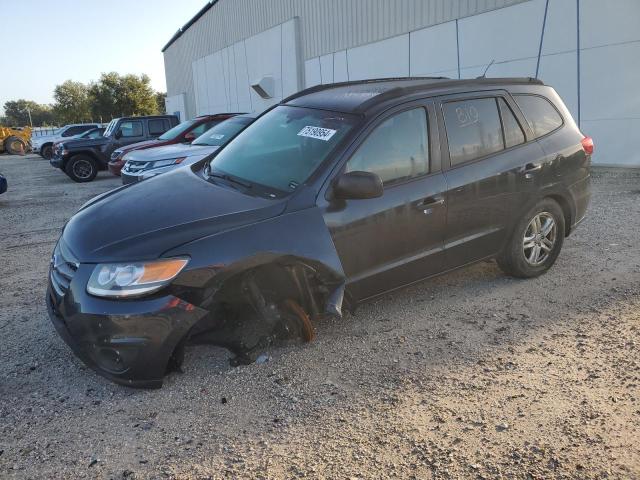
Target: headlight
x: 133, y: 279
x: 164, y: 163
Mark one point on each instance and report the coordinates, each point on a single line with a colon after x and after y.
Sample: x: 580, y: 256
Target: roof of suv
x: 356, y: 97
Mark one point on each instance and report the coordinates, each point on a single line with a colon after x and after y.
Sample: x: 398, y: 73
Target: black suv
x: 339, y: 194
x: 82, y: 159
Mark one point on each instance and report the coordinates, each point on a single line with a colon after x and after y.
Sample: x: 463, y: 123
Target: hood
x: 146, y: 219
x: 169, y: 151
x: 144, y: 144
x: 86, y: 142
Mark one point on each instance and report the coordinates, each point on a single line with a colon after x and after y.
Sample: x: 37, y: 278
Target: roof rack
x: 327, y: 86
x: 444, y: 80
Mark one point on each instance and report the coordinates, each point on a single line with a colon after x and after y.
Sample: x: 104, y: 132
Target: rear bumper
x: 581, y: 195
x: 129, y: 342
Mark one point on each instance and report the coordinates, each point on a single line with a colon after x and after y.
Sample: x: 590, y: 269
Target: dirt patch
x: 470, y: 375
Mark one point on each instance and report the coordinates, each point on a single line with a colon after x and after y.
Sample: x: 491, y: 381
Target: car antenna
x: 484, y: 75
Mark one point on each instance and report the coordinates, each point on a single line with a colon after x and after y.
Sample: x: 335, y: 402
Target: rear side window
x: 473, y: 129
x: 76, y: 130
x: 540, y: 113
x: 158, y: 127
x: 513, y: 134
x: 397, y: 149
x: 131, y: 129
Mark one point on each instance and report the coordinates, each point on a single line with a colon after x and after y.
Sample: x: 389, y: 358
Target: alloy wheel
x: 539, y: 238
x: 82, y: 169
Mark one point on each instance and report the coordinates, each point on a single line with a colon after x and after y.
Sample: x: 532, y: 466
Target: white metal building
x: 589, y: 50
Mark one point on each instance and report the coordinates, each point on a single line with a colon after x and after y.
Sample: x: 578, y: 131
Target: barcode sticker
x: 317, y: 132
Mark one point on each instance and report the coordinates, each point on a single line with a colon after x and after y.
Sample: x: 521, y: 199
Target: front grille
x: 63, y: 267
x: 136, y: 167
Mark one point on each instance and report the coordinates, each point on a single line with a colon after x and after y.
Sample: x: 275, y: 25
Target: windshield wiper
x: 231, y: 179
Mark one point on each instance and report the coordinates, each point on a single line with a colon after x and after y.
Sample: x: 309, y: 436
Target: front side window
x: 131, y: 129
x: 473, y: 129
x: 283, y: 147
x: 397, y: 150
x: 157, y: 127
x: 540, y: 113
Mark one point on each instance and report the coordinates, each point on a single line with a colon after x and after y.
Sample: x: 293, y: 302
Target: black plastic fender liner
x: 300, y: 237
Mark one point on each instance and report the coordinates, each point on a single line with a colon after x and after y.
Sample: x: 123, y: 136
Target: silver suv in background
x: 43, y: 144
x: 143, y: 164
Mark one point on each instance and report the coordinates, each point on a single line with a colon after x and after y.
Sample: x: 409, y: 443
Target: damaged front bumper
x: 129, y: 342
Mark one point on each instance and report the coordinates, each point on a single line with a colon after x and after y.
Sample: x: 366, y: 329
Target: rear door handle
x: 430, y: 202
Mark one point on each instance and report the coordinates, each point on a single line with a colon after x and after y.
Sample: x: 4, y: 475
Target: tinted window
x: 157, y: 127
x: 473, y: 129
x: 221, y: 133
x: 203, y: 127
x: 76, y: 130
x: 513, y: 134
x: 397, y: 149
x: 131, y: 129
x: 283, y: 147
x: 541, y: 115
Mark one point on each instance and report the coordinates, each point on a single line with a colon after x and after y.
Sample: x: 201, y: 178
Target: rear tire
x: 536, y: 241
x: 81, y: 168
x: 46, y: 152
x: 15, y: 146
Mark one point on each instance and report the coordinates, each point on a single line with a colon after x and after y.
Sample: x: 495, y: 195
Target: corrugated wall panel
x: 326, y: 26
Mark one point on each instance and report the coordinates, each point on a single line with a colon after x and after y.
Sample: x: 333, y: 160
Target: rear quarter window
x: 540, y: 113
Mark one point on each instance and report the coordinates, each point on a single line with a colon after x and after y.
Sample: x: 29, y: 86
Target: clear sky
x: 58, y: 40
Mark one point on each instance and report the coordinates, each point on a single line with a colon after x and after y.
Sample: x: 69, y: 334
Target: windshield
x: 223, y: 132
x: 177, y: 130
x: 284, y: 147
x: 110, y: 128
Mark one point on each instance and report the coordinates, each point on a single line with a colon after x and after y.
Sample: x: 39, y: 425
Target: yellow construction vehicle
x: 15, y: 141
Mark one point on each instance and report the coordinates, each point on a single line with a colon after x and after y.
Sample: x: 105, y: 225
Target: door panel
x: 489, y: 184
x: 396, y: 239
x: 393, y: 240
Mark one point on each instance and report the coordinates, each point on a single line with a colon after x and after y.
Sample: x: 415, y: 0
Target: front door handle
x: 430, y: 202
x: 530, y: 168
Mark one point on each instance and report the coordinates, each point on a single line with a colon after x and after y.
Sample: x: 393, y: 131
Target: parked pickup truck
x: 43, y: 144
x: 82, y: 159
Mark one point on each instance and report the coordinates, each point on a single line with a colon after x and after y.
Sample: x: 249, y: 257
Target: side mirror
x: 357, y: 185
x: 189, y: 137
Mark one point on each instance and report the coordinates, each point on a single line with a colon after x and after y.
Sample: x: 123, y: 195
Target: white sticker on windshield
x: 217, y: 136
x: 317, y: 132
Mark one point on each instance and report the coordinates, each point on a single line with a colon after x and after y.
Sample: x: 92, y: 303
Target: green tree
x: 72, y: 102
x: 117, y: 95
x: 160, y: 105
x: 16, y: 113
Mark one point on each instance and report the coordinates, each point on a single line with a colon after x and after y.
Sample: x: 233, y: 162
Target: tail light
x: 587, y: 145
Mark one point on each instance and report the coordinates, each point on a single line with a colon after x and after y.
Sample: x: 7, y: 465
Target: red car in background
x: 185, y: 132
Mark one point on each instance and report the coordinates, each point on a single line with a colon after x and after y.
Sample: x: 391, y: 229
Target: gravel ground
x: 471, y: 375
